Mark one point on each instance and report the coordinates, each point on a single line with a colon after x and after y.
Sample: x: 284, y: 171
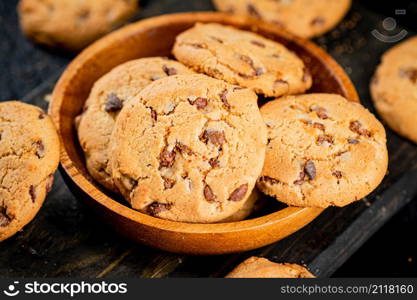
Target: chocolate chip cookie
x: 190, y: 149
x: 394, y: 88
x: 106, y: 99
x: 72, y: 24
x: 257, y: 267
x: 305, y: 18
x: 322, y: 150
x: 243, y: 58
x: 29, y: 156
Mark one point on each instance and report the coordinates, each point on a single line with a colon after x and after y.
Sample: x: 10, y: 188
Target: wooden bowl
x: 155, y: 37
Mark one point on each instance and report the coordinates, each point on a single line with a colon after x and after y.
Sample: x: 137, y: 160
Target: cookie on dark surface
x: 72, y: 24
x: 305, y: 18
x: 29, y: 156
x: 394, y: 88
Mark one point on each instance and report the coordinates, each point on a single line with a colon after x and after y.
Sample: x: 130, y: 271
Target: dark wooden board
x: 67, y: 240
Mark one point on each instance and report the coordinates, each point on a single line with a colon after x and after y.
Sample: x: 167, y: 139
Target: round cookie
x: 258, y: 267
x: 305, y: 18
x: 72, y: 24
x: 394, y: 88
x: 29, y: 156
x: 107, y: 96
x: 243, y: 58
x: 322, y: 150
x: 190, y: 149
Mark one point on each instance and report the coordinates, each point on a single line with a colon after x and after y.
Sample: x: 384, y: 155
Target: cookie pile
x: 186, y: 141
x: 29, y: 156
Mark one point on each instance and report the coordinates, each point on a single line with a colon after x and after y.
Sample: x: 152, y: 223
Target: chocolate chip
x: 216, y: 39
x: 156, y: 208
x: 49, y: 183
x: 184, y: 148
x: 113, y: 104
x: 325, y: 138
x: 321, y: 112
x: 214, y: 136
x: 246, y: 59
x: 154, y: 114
x: 166, y: 158
x: 253, y: 11
x: 223, y: 97
x: 214, y: 162
x: 32, y: 193
x: 40, y: 149
x: 199, y: 102
x: 4, y: 218
x: 410, y: 73
x: 259, y: 71
x: 310, y: 169
x: 169, y: 71
x: 168, y: 183
x: 258, y: 43
x: 268, y: 179
x: 239, y: 193
x: 356, y: 127
x: 319, y: 126
x: 337, y: 174
x: 42, y: 115
x: 352, y: 141
x: 301, y: 178
x: 319, y: 21
x: 208, y: 193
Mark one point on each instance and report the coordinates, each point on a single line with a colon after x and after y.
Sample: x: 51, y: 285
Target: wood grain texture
x: 67, y: 239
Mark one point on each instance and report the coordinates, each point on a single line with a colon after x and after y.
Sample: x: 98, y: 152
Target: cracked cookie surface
x: 258, y: 267
x: 305, y: 18
x: 322, y: 150
x: 243, y: 58
x: 190, y: 149
x: 72, y: 24
x: 104, y: 103
x: 29, y: 156
x: 394, y: 88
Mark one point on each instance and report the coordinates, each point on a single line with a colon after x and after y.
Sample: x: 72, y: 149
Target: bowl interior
x: 155, y: 37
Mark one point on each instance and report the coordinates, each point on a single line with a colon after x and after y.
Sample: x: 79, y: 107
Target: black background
x: 390, y: 252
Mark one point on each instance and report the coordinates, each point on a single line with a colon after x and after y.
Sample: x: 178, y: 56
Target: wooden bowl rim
x: 97, y: 195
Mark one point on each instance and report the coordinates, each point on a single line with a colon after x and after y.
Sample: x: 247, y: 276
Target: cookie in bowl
x: 243, y: 58
x: 258, y: 267
x: 107, y: 97
x: 29, y: 156
x: 323, y: 150
x: 72, y: 24
x: 305, y: 18
x: 189, y: 149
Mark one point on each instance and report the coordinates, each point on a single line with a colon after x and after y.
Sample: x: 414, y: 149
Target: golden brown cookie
x: 322, y: 150
x: 243, y: 58
x: 102, y: 107
x: 29, y: 156
x: 394, y: 88
x: 190, y: 149
x: 72, y: 24
x: 305, y: 18
x: 257, y: 267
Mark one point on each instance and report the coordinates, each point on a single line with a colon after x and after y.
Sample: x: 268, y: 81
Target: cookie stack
x: 186, y: 141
